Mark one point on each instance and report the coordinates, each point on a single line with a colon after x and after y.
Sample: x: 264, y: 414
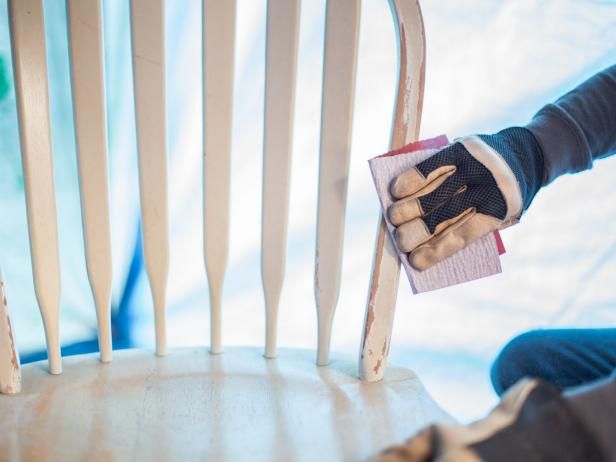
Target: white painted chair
x: 190, y: 403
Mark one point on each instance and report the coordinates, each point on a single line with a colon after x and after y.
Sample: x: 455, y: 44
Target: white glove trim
x: 502, y: 173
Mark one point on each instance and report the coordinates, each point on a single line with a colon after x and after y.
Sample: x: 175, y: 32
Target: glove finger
x: 419, y: 448
x: 414, y: 233
x: 411, y: 234
x: 413, y: 182
x: 413, y: 207
x: 404, y: 210
x: 425, y: 176
x: 452, y: 239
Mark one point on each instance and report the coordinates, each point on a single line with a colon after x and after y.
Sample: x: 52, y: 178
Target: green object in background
x: 4, y: 78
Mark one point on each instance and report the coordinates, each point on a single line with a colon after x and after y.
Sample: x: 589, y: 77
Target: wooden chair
x: 191, y: 404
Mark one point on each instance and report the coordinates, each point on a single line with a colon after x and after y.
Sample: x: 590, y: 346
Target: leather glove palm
x: 465, y: 191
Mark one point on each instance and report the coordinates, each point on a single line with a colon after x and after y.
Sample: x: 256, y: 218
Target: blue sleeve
x: 579, y: 127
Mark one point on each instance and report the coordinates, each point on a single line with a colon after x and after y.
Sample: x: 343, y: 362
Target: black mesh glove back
x: 465, y: 191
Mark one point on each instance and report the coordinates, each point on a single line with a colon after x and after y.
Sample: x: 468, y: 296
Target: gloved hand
x: 460, y: 194
x: 533, y: 421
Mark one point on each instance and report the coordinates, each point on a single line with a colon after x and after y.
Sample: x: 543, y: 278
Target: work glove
x: 463, y: 192
x: 533, y: 422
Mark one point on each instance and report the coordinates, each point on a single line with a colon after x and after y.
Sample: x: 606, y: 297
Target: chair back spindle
x: 27, y: 31
x: 380, y: 308
x: 218, y: 56
x: 84, y: 18
x: 148, y: 50
x: 340, y: 63
x: 10, y: 368
x: 280, y: 80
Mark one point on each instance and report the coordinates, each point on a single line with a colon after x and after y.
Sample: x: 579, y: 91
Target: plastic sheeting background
x: 490, y: 64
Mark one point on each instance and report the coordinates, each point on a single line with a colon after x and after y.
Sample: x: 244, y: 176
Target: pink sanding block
x: 478, y: 260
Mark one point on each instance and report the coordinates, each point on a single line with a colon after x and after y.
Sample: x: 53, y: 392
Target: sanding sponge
x: 480, y: 259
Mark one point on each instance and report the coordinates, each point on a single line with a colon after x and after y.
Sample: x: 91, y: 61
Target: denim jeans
x: 563, y: 357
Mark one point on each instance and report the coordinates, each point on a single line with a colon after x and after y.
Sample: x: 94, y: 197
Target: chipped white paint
x: 31, y: 91
x: 10, y: 370
x: 281, y: 68
x: 86, y: 52
x: 191, y: 405
x: 148, y: 50
x: 218, y: 53
x: 381, y: 304
x: 340, y: 65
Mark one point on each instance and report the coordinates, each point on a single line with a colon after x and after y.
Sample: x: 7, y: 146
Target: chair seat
x: 191, y: 405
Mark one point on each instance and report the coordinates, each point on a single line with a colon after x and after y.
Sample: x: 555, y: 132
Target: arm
x: 579, y: 127
x: 486, y: 182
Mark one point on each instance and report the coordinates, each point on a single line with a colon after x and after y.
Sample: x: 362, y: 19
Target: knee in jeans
x: 515, y: 360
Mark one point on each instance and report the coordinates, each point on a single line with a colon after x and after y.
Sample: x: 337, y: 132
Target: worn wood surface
x: 190, y: 405
x: 339, y: 68
x: 383, y: 290
x: 478, y: 260
x: 26, y: 20
x: 281, y: 69
x: 148, y: 49
x: 218, y: 56
x: 10, y: 370
x: 87, y: 79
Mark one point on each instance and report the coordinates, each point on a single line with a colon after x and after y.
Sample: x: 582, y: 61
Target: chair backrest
x: 148, y: 51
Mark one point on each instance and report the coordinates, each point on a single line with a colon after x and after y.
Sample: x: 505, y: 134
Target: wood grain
x: 88, y: 87
x: 10, y: 369
x: 26, y: 20
x: 383, y: 290
x: 340, y: 64
x: 191, y: 405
